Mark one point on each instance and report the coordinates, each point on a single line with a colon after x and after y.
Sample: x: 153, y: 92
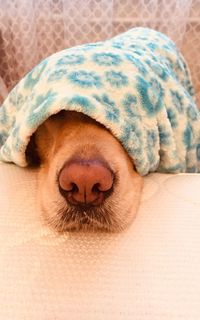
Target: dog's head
x: 86, y: 178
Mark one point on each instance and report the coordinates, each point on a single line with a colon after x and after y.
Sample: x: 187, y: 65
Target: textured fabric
x: 136, y: 84
x: 33, y: 29
x: 148, y: 272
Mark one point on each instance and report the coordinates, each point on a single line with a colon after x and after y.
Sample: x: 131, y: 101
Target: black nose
x: 85, y: 182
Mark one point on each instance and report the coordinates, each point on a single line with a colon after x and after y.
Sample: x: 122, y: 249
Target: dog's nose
x: 85, y: 182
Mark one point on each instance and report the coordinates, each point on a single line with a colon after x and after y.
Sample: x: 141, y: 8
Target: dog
x: 86, y: 178
x: 97, y: 118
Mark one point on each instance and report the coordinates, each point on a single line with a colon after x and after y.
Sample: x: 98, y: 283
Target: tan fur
x: 74, y: 134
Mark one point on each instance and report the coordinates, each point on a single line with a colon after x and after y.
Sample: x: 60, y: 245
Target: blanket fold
x: 136, y: 84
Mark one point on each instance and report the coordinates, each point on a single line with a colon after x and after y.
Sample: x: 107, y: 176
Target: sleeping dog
x: 97, y: 118
x: 86, y: 178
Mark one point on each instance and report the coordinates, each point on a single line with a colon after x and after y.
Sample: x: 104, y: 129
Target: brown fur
x: 70, y: 134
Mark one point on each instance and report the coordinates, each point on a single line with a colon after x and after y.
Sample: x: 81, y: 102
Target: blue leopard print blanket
x: 136, y: 84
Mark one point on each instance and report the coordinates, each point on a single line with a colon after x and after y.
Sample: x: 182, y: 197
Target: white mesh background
x: 30, y: 30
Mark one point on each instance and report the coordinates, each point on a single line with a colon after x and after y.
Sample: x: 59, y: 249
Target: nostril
x: 96, y: 188
x: 73, y: 187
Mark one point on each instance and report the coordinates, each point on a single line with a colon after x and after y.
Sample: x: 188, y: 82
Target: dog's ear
x: 32, y: 154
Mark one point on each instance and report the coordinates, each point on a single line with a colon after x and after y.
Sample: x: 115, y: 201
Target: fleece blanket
x: 136, y: 84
